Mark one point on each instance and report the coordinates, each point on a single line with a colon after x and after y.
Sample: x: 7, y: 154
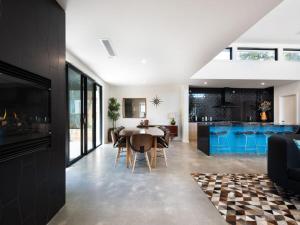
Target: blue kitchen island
x: 221, y: 138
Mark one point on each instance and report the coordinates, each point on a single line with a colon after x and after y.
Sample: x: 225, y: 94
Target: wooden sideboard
x: 173, y: 130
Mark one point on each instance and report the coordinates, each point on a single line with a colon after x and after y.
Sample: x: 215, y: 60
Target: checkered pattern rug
x: 250, y: 199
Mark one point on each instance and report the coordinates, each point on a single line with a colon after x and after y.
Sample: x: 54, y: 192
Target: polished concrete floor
x: 99, y: 194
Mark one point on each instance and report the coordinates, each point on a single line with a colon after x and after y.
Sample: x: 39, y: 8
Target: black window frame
x: 260, y: 49
x: 100, y: 116
x: 230, y: 53
x: 84, y: 150
x: 290, y: 50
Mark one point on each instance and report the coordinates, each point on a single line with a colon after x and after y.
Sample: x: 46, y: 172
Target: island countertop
x: 231, y: 137
x: 240, y: 123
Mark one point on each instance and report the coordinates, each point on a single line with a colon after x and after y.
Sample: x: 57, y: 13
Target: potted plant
x: 173, y: 121
x: 113, y: 114
x: 264, y: 107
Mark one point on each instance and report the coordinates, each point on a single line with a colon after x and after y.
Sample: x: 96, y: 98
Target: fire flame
x: 15, y: 116
x: 4, y: 116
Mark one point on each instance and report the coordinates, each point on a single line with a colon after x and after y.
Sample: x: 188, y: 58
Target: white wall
x: 286, y: 90
x: 171, y: 103
x: 105, y: 88
x: 253, y: 70
x: 185, y: 112
x: 288, y: 109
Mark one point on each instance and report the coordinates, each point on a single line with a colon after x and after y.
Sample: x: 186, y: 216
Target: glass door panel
x: 75, y: 114
x: 85, y: 114
x: 98, y: 118
x: 90, y: 116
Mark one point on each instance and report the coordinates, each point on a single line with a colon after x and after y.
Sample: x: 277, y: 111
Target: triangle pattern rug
x: 250, y: 199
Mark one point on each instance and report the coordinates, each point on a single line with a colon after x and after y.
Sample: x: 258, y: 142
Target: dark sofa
x: 284, y: 161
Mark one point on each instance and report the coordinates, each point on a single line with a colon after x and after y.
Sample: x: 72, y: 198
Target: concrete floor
x: 99, y: 194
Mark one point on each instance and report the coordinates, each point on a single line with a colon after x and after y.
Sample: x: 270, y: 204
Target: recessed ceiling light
x: 205, y: 83
x: 262, y: 84
x: 144, y: 61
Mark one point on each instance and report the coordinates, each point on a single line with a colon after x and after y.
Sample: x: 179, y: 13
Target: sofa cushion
x: 297, y: 142
x: 294, y: 174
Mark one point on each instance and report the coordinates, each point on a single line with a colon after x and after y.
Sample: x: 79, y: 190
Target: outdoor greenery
x: 113, y: 111
x: 292, y: 56
x: 257, y: 55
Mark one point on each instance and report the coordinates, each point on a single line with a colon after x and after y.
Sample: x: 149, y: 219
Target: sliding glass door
x: 75, y: 114
x: 85, y: 114
x: 98, y: 116
x: 89, y: 113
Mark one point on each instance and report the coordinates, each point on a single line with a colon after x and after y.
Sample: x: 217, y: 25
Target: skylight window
x: 292, y: 55
x: 257, y: 54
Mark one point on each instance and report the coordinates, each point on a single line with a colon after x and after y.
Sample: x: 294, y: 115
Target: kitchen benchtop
x: 236, y: 123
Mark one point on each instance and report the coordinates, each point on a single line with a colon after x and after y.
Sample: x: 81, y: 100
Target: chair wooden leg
x: 165, y: 156
x: 134, y: 161
x: 130, y: 159
x: 118, y: 156
x: 148, y: 162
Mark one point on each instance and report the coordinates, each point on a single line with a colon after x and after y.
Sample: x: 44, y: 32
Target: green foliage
x: 113, y: 110
x: 256, y: 56
x: 292, y: 56
x: 173, y: 121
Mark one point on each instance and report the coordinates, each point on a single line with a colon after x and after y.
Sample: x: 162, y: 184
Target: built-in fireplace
x: 24, y: 111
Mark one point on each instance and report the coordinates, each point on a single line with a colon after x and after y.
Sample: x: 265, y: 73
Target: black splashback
x: 32, y: 186
x: 241, y: 104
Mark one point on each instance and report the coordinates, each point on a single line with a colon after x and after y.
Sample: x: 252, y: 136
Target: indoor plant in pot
x: 113, y: 114
x: 173, y: 121
x: 264, y: 107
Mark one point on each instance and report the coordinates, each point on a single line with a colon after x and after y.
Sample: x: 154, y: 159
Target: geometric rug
x: 250, y: 199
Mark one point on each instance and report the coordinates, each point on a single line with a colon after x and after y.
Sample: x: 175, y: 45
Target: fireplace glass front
x: 24, y: 110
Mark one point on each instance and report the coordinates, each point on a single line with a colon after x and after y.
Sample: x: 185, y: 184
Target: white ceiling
x: 238, y: 83
x: 249, y: 70
x: 175, y: 37
x: 281, y: 25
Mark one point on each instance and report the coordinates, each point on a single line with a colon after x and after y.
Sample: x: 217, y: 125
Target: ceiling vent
x: 107, y: 46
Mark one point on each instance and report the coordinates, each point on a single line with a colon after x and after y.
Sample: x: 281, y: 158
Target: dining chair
x: 163, y: 144
x: 146, y: 123
x: 141, y: 143
x: 118, y: 142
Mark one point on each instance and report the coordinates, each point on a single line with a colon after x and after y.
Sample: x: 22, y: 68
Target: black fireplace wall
x: 32, y: 187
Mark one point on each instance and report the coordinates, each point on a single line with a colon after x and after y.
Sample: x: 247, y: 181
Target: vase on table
x: 263, y: 116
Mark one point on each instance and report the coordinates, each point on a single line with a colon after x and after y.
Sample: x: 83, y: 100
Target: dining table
x: 154, y: 131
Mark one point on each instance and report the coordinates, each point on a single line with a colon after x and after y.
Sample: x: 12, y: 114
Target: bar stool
x: 260, y: 135
x: 222, y: 133
x: 247, y: 134
x: 141, y: 143
x: 266, y: 133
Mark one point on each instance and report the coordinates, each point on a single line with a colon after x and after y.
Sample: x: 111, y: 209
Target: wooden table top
x: 154, y: 131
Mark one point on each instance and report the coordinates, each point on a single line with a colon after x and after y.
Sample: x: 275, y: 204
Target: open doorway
x: 288, y: 109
